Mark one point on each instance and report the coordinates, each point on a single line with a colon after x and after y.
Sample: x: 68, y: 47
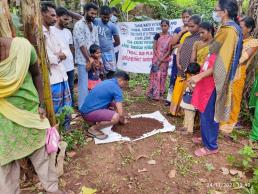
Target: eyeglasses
x: 218, y: 9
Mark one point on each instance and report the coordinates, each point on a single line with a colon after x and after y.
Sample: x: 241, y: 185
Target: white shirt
x: 53, y: 47
x: 66, y: 37
x: 83, y: 37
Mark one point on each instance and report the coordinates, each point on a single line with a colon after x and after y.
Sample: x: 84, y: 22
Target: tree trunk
x: 252, y: 12
x: 31, y: 18
x: 240, y: 5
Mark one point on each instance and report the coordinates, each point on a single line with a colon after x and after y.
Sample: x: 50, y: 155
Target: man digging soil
x: 97, y: 105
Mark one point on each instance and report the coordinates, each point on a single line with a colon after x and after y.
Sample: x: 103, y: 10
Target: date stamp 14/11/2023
x: 227, y: 185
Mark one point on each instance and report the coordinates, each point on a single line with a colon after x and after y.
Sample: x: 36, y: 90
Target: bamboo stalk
x: 31, y: 17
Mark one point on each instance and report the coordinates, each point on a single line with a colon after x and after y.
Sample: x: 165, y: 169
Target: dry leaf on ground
x: 172, y: 174
x: 152, y: 162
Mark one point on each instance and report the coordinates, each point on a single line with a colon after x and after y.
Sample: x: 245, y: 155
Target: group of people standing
x: 91, y: 47
x: 209, y: 70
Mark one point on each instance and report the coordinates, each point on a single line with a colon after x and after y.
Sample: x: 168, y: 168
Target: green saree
x: 16, y: 141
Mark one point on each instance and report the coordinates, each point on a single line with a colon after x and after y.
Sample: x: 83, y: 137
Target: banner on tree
x: 136, y: 49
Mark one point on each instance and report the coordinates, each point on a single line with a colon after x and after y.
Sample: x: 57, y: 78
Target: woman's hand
x: 184, y: 30
x: 194, y: 80
x: 42, y: 113
x: 158, y: 62
x: 256, y: 94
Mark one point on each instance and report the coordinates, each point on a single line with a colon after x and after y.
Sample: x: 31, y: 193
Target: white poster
x: 136, y: 49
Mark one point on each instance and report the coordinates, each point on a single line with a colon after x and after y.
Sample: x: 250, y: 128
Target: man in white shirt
x: 57, y: 53
x: 65, y: 36
x: 85, y: 34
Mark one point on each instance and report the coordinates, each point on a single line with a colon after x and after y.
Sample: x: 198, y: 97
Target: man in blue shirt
x: 107, y: 32
x: 96, y: 105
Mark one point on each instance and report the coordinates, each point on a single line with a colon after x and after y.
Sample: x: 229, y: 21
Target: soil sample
x: 137, y: 127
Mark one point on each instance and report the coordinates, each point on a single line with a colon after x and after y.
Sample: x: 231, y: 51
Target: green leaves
x: 247, y: 151
x: 115, y: 3
x: 209, y: 167
x: 185, y: 2
x: 129, y: 5
x: 247, y: 160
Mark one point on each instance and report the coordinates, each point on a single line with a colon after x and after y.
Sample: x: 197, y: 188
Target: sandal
x: 99, y: 135
x: 205, y: 152
x: 197, y: 140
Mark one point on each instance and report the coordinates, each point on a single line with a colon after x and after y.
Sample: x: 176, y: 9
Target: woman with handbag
x: 160, y: 62
x: 23, y: 126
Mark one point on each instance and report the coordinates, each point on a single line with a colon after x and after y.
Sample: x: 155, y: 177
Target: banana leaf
x: 6, y: 22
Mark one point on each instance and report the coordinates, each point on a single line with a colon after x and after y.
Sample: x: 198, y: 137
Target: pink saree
x: 157, y: 83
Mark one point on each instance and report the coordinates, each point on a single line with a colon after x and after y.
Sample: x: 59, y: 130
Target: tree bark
x: 252, y: 12
x: 31, y: 18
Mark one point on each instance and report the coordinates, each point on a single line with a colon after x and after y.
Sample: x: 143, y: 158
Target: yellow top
x: 13, y: 71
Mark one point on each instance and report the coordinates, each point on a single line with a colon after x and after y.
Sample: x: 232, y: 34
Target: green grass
x: 184, y: 161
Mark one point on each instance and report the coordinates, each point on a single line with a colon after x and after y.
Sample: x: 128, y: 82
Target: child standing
x: 95, y: 68
x: 189, y: 110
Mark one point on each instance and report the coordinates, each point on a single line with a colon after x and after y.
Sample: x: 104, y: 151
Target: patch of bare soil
x: 136, y: 127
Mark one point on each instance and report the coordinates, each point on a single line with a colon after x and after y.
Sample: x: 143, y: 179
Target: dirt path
x: 123, y: 167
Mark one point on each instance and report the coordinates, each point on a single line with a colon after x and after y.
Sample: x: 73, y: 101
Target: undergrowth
x: 76, y: 137
x: 247, y: 160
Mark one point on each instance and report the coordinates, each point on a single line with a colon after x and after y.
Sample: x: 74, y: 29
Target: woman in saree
x: 214, y: 103
x: 178, y: 38
x: 250, y: 45
x: 199, y: 54
x: 160, y: 62
x: 183, y: 59
x: 201, y: 48
x: 22, y: 117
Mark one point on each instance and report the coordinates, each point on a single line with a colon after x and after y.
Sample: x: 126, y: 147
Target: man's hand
x: 123, y: 120
x: 42, y: 113
x: 256, y: 94
x: 126, y: 121
x: 61, y: 56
